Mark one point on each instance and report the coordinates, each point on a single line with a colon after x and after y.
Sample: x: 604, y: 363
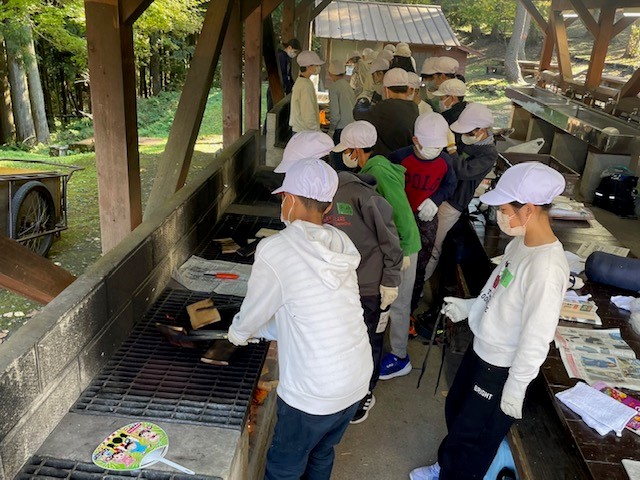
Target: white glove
x: 427, y: 210
x: 575, y: 282
x: 511, y: 405
x: 233, y: 338
x: 457, y: 309
x: 406, y: 263
x: 388, y: 295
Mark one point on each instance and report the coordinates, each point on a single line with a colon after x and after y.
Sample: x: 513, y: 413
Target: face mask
x: 348, y: 161
x: 292, y: 53
x: 443, y: 106
x: 349, y: 70
x: 470, y: 139
x: 411, y: 96
x: 429, y: 153
x: 286, y: 221
x: 505, y: 226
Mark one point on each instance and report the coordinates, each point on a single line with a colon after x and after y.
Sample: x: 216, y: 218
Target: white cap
x: 336, y: 67
x: 307, y: 58
x: 528, y: 182
x: 445, y: 65
x: 402, y: 50
x: 379, y: 65
x: 308, y: 144
x: 452, y: 87
x: 354, y: 54
x: 310, y: 178
x: 368, y: 54
x: 427, y: 66
x: 432, y: 130
x: 414, y: 80
x: 390, y: 47
x: 358, y: 134
x: 474, y: 115
x: 386, y: 55
x: 396, y: 77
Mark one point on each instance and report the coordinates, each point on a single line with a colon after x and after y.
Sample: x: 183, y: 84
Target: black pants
x: 475, y: 422
x: 371, y: 307
x: 428, y: 231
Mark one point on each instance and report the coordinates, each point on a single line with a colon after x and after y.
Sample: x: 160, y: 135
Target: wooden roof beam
x: 319, y: 8
x: 535, y: 14
x: 175, y: 161
x: 130, y: 10
x: 622, y: 25
x: 600, y: 47
x: 586, y: 17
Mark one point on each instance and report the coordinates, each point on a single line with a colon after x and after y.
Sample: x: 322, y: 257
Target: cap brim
x: 278, y: 190
x: 459, y: 127
x: 438, y: 93
x: 340, y: 147
x: 496, y: 197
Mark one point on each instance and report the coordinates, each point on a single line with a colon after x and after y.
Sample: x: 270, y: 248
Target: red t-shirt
x: 422, y: 178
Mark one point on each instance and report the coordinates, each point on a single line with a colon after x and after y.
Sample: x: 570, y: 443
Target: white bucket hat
x: 528, y: 182
x: 474, y: 115
x: 432, y: 130
x: 452, y: 87
x: 358, y: 134
x: 308, y: 144
x: 310, y: 178
x: 307, y: 58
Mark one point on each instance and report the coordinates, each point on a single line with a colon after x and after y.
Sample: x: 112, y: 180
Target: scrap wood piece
x: 175, y: 335
x: 219, y: 353
x: 228, y: 245
x: 203, y: 313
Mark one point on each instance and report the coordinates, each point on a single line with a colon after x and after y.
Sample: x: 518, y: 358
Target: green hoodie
x: 390, y: 178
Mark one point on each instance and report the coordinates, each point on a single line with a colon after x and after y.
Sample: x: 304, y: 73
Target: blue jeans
x: 302, y: 444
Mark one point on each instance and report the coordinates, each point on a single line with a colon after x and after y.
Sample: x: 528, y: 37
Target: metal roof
x: 385, y: 22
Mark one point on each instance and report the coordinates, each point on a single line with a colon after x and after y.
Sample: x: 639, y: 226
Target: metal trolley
x: 35, y: 209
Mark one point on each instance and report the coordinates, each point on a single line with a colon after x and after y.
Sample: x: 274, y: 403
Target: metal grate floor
x: 50, y: 468
x: 240, y: 228
x: 150, y: 378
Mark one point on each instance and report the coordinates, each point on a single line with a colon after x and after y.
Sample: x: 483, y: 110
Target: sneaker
x: 412, y: 327
x: 432, y: 472
x: 362, y: 413
x: 392, y: 366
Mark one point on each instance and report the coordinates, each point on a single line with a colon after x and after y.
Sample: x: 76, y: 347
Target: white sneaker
x: 432, y: 472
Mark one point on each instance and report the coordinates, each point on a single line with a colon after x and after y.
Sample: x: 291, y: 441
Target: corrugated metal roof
x: 385, y: 22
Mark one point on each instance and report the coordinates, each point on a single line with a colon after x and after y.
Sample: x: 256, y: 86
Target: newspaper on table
x: 198, y: 274
x: 597, y: 367
x: 586, y: 340
x: 580, y: 311
x: 587, y: 248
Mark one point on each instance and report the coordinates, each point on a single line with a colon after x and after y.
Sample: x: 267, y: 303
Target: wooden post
x: 174, y: 164
x: 288, y: 20
x: 600, y: 47
x: 302, y: 31
x: 113, y: 99
x: 632, y: 87
x: 232, y: 78
x: 253, y: 70
x: 271, y: 60
x: 30, y: 275
x: 562, y: 45
x: 548, y: 47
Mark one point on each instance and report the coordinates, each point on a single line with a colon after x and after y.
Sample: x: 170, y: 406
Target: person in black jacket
x: 471, y: 166
x: 451, y: 100
x: 288, y: 52
x: 394, y: 117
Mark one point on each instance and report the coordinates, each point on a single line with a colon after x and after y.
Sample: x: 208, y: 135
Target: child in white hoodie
x: 303, y: 291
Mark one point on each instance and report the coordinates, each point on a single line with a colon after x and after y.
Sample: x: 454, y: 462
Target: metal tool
x: 439, y: 321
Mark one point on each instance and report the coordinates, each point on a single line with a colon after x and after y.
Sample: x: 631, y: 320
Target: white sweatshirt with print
x: 305, y: 276
x: 515, y: 316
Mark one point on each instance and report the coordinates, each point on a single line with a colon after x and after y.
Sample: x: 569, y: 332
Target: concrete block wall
x: 47, y: 364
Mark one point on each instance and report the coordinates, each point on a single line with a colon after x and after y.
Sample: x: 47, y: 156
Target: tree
x: 7, y: 127
x: 517, y: 40
x: 25, y: 128
x: 36, y: 95
x: 631, y: 50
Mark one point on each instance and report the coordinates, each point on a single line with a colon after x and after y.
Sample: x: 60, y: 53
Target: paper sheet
x: 193, y: 275
x: 586, y: 340
x: 632, y: 467
x: 587, y: 248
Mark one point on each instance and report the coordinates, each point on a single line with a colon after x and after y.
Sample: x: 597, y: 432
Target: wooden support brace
x: 131, y: 10
x: 632, y: 87
x: 174, y: 164
x: 586, y: 17
x: 113, y: 98
x: 271, y: 60
x: 253, y: 70
x: 288, y: 20
x: 318, y: 9
x: 600, y: 47
x: 622, y: 24
x: 562, y: 45
x: 232, y: 79
x: 535, y: 14
x: 30, y: 275
x: 302, y: 29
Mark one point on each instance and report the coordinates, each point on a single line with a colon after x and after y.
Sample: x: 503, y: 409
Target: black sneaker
x: 362, y: 413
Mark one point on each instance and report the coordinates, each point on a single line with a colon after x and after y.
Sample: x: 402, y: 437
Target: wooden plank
x: 130, y: 10
x: 586, y: 17
x: 174, y: 164
x: 318, y: 9
x: 622, y: 25
x: 288, y: 20
x: 600, y: 47
x: 271, y: 60
x: 232, y: 79
x: 548, y: 46
x: 632, y: 87
x: 113, y: 99
x: 30, y: 275
x: 562, y: 45
x: 253, y: 70
x: 535, y: 14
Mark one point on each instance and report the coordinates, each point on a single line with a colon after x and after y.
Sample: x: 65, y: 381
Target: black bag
x: 617, y: 193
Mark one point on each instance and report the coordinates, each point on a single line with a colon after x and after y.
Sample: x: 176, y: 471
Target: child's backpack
x: 617, y: 192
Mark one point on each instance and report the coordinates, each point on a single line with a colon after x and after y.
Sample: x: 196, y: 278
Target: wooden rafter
x: 622, y: 25
x: 535, y: 14
x: 174, y: 164
x: 318, y: 9
x: 632, y: 87
x: 269, y: 6
x: 562, y: 45
x: 288, y: 19
x: 586, y: 17
x: 600, y: 47
x: 130, y: 10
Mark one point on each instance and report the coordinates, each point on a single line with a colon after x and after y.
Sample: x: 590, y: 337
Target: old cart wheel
x: 33, y: 213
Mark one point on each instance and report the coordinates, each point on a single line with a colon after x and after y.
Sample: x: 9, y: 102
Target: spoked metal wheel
x: 33, y: 214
